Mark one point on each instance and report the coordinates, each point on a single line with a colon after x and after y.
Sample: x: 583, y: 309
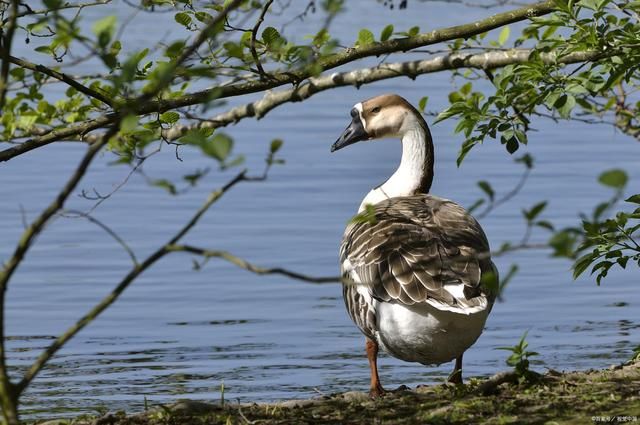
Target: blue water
x: 179, y: 333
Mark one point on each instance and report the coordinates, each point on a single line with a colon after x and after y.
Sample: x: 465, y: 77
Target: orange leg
x: 376, y: 389
x: 456, y: 375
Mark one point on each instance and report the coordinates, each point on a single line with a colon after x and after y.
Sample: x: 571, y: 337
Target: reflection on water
x: 178, y: 333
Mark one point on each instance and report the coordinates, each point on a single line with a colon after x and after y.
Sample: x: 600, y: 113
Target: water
x: 180, y: 333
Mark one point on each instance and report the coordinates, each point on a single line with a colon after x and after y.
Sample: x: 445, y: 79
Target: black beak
x: 353, y: 133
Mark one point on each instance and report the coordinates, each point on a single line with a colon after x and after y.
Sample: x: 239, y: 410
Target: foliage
x: 519, y: 358
x: 610, y: 241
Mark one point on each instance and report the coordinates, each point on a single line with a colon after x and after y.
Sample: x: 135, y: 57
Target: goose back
x: 417, y: 250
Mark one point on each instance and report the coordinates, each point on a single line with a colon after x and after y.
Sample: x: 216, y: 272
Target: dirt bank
x: 611, y: 396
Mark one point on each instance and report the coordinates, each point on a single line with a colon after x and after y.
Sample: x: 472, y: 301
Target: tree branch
x: 271, y: 100
x: 59, y: 76
x: 34, y: 229
x: 244, y: 264
x: 351, y: 54
x: 109, y: 230
x: 254, y: 33
x: 30, y: 11
x: 57, y: 204
x: 285, y: 77
x: 6, y: 36
x: 135, y: 271
x: 65, y: 133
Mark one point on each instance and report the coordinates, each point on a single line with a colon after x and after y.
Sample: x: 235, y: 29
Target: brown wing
x: 420, y: 249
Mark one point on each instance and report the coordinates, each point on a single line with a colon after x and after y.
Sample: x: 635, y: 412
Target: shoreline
x: 595, y: 396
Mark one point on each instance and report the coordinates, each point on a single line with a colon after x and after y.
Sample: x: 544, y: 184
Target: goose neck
x: 415, y: 172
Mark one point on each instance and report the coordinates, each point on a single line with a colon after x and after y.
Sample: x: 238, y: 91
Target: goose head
x: 387, y: 115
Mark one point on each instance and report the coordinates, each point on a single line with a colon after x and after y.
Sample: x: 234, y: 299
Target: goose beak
x: 355, y: 132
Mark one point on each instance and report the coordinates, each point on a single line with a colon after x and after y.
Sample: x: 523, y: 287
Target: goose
x: 418, y: 278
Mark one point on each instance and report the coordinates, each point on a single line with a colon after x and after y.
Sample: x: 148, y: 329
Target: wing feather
x: 415, y: 248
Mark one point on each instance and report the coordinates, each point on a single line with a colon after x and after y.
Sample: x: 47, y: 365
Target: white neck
x: 409, y: 176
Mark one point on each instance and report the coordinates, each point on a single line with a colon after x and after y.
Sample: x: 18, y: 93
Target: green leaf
x: 486, y: 188
x: 476, y: 205
x: 44, y: 49
x: 104, y: 29
x: 583, y: 263
x: 365, y: 37
x: 203, y: 17
x: 183, y: 19
x: 218, y: 147
x: 464, y: 150
x: 423, y: 103
x: 563, y: 243
x: 366, y: 216
x: 238, y: 160
x: 270, y: 35
x: 615, y: 178
x: 166, y: 185
x: 634, y: 199
x: 174, y: 49
x: 589, y: 4
x: 195, y: 137
x: 531, y: 214
x: 129, y: 123
x: 545, y: 225
x: 386, y: 33
x: 106, y: 24
x: 527, y: 160
x: 413, y: 31
x: 234, y: 50
x: 565, y: 104
x: 169, y: 117
x: 276, y: 144
x: 504, y: 35
x: 512, y: 145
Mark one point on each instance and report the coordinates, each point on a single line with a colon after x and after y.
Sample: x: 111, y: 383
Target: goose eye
x: 375, y: 110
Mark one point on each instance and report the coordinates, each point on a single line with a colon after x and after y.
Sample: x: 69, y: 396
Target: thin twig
x: 7, y: 39
x: 254, y: 33
x: 60, y: 76
x: 513, y: 192
x: 135, y: 271
x: 30, y: 11
x: 244, y: 264
x: 110, y: 231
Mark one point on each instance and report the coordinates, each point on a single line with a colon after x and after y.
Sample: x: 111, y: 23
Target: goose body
x: 420, y: 281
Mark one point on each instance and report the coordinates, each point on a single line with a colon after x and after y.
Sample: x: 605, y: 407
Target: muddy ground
x: 604, y: 396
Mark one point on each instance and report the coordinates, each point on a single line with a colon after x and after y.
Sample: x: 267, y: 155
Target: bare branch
x: 9, y: 390
x: 30, y: 11
x: 37, y: 226
x: 513, y: 192
x: 110, y: 231
x: 29, y: 235
x: 254, y: 33
x: 135, y: 271
x: 6, y: 36
x: 59, y: 76
x: 244, y: 264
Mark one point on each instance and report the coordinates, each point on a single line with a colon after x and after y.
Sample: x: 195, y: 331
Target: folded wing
x: 421, y: 249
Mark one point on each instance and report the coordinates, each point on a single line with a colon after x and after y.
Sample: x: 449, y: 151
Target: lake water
x: 180, y: 333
